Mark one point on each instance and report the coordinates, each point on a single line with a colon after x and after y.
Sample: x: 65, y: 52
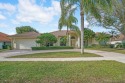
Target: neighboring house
x: 28, y: 39
x: 118, y: 39
x: 4, y: 40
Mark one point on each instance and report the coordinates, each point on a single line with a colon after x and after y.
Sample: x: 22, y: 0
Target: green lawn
x: 62, y: 72
x: 2, y: 50
x: 109, y: 50
x: 57, y: 55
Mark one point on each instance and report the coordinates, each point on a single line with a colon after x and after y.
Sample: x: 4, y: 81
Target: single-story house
x: 4, y: 40
x: 28, y: 39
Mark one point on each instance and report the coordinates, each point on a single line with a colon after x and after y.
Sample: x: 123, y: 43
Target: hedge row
x: 52, y: 48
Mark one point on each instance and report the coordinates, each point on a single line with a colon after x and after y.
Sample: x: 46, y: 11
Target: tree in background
x: 63, y: 41
x: 102, y: 38
x: 23, y: 29
x: 88, y: 34
x: 86, y: 7
x: 46, y: 39
x: 111, y: 20
x: 113, y: 34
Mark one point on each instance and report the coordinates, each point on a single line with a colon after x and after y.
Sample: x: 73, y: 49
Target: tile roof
x: 26, y: 35
x: 4, y: 37
x: 120, y: 37
x: 61, y: 33
x: 35, y: 35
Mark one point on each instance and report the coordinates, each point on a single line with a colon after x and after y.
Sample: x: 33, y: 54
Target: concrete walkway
x: 106, y: 56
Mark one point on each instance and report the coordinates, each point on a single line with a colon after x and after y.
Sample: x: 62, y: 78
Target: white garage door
x: 25, y: 43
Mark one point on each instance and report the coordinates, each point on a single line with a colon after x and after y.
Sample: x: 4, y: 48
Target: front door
x: 73, y: 42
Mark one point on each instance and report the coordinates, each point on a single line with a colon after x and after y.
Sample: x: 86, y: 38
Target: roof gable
x: 26, y: 35
x: 4, y: 37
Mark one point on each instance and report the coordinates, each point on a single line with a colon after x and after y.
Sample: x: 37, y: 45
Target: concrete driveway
x: 106, y: 56
x: 14, y: 53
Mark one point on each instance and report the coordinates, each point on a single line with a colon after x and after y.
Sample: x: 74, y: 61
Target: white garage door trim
x: 25, y: 43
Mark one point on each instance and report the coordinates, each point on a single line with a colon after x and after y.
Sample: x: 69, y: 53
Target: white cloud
x: 11, y: 33
x: 2, y: 17
x: 15, y: 22
x: 29, y: 11
x: 2, y: 25
x: 8, y: 7
x: 86, y: 24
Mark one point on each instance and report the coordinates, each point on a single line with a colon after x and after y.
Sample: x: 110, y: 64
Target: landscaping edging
x: 52, y: 48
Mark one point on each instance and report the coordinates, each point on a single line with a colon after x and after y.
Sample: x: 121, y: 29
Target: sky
x: 43, y: 15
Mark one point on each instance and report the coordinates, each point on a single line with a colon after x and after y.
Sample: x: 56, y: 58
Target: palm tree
x: 102, y: 38
x: 86, y: 7
x: 67, y: 19
x: 114, y: 34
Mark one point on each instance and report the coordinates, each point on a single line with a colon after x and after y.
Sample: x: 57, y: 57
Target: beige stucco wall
x: 94, y: 41
x: 24, y: 43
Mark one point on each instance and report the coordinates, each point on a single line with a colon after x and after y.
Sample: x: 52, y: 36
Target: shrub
x: 93, y: 45
x: 63, y: 41
x: 99, y: 46
x: 52, y: 48
x: 46, y: 39
x: 111, y: 45
x: 87, y: 46
x: 118, y: 45
x: 7, y: 47
x: 4, y: 46
x: 123, y: 43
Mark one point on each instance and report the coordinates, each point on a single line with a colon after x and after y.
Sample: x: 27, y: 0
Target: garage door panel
x: 25, y: 43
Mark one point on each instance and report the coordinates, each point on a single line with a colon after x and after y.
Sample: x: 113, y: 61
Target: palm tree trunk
x: 82, y: 31
x: 67, y: 36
